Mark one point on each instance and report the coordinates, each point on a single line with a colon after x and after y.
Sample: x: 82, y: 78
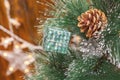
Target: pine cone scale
x: 92, y: 21
x: 84, y: 29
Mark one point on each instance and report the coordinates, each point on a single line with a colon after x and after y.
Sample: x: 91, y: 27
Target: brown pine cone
x: 92, y: 21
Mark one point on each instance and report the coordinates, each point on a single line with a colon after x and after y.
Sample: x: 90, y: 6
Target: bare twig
x: 31, y: 46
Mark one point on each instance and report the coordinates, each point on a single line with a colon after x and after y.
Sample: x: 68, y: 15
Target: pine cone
x: 92, y: 21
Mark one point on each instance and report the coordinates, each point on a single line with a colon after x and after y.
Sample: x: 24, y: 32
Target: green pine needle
x: 65, y: 16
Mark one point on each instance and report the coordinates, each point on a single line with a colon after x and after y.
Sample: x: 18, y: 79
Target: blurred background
x: 28, y: 13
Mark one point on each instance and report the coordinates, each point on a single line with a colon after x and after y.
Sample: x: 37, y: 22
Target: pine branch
x: 66, y: 14
x: 111, y: 34
x: 100, y: 62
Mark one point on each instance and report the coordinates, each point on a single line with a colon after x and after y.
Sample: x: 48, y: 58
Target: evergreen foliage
x: 112, y: 32
x: 71, y: 67
x: 81, y: 69
x: 54, y: 69
x: 67, y: 17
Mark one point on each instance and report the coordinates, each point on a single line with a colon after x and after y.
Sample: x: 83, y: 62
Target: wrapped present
x: 56, y: 40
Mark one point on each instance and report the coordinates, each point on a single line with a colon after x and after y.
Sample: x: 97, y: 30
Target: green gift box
x: 56, y: 40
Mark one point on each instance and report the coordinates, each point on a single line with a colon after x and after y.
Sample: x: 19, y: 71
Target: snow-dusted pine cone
x: 92, y: 21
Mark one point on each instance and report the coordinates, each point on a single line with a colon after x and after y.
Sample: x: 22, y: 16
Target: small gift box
x: 56, y: 40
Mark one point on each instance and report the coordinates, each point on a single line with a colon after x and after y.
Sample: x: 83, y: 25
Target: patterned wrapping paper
x: 56, y: 40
